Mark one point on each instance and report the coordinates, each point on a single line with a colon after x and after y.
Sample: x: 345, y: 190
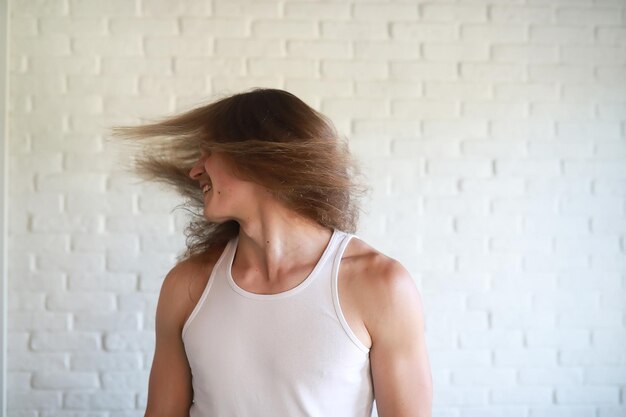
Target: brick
x: 64, y: 142
x: 385, y: 50
x: 353, y: 30
x: 541, y: 54
x: 140, y: 301
x: 150, y: 264
x: 600, y: 55
x: 40, y: 8
x: 87, y: 242
x: 488, y: 377
x: 227, y: 47
x: 126, y: 45
x: 91, y: 104
x: 465, y: 51
x: 522, y: 395
x: 28, y: 84
x: 77, y: 301
x: 355, y: 107
x: 67, y: 379
x: 71, y: 261
x: 110, y: 8
x: 379, y: 12
x: 311, y: 88
x: 521, y: 14
x: 140, y: 65
x: 493, y: 72
x: 454, y: 12
x: 437, y: 32
x: 457, y: 358
x: 496, y: 33
x: 119, y: 283
x: 31, y: 202
x: 258, y: 9
x: 214, y: 27
x: 123, y: 85
x: 38, y: 281
x: 65, y: 223
x: 294, y: 29
x: 608, y: 281
x: 58, y: 243
x: 612, y: 35
x: 73, y: 25
x: 179, y: 46
x: 587, y: 16
x: 42, y: 399
x: 489, y: 339
x: 260, y: 67
x: 18, y: 341
x: 51, y: 45
x: 318, y: 10
x: 567, y: 34
x: 199, y: 67
x: 466, y: 397
x: 426, y: 109
x: 526, y: 357
x: 131, y: 381
x: 26, y: 302
x: 100, y: 400
x: 605, y: 375
x: 587, y: 395
x: 156, y: 85
x: 428, y: 71
x: 129, y: 341
x: 319, y: 49
x: 518, y: 319
x: 18, y: 380
x: 147, y: 223
x: 165, y: 8
x: 163, y: 243
x: 111, y: 321
x: 143, y: 26
x: 64, y: 341
x: 557, y: 339
x: 105, y: 361
x: 37, y: 320
x: 357, y: 70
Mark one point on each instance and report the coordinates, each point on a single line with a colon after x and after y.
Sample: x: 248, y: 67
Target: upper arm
x: 170, y: 391
x: 398, y: 357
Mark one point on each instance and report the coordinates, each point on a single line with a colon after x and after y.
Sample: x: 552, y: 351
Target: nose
x: 196, y: 170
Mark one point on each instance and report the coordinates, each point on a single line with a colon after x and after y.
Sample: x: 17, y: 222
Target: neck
x: 278, y: 245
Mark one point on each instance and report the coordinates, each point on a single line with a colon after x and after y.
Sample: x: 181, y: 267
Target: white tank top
x: 288, y: 354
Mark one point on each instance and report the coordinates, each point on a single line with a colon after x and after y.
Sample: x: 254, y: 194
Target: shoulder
x: 376, y: 270
x: 183, y: 284
x: 384, y: 286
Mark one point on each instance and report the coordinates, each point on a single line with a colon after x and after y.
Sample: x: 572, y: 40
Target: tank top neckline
x: 292, y: 291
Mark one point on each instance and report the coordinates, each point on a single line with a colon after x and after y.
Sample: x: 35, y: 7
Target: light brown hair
x: 273, y: 139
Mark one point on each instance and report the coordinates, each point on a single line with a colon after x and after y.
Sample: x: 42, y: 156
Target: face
x: 225, y: 189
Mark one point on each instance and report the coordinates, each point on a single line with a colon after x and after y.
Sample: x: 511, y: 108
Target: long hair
x: 273, y: 139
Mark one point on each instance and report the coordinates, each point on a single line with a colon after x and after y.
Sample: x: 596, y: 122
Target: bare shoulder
x: 184, y: 283
x: 376, y: 280
x: 372, y: 267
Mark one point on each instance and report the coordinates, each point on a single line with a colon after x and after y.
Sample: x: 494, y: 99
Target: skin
x: 379, y: 298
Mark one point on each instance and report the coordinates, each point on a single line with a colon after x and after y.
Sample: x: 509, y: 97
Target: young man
x: 277, y: 307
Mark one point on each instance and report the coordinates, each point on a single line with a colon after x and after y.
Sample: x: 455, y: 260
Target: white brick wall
x: 493, y: 131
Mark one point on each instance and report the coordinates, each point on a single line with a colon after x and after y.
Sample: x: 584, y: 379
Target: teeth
x: 206, y: 188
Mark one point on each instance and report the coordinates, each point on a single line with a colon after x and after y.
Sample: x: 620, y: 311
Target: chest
x: 347, y: 288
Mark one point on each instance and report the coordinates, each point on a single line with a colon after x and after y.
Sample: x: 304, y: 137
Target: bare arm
x: 398, y: 357
x: 170, y: 391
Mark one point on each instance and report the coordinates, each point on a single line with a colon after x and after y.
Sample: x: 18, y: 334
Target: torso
x: 356, y: 262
